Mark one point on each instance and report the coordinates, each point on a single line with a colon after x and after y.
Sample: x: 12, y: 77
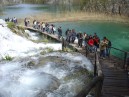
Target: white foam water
x: 50, y: 79
x: 15, y: 46
x: 60, y: 76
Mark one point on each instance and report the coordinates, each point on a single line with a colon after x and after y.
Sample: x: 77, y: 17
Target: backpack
x: 109, y: 44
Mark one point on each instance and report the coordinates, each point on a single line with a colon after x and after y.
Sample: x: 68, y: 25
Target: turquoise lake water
x: 117, y: 33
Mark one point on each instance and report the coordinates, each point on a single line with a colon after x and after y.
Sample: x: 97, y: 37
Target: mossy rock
x: 20, y: 28
x: 43, y: 52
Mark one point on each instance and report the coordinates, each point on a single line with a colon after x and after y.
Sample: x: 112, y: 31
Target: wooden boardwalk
x: 116, y: 83
x: 116, y: 79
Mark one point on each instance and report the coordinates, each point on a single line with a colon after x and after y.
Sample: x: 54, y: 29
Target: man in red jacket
x: 91, y: 44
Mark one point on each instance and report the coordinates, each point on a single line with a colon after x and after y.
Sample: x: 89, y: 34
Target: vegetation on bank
x: 7, y: 58
x: 17, y: 29
x: 120, y: 7
x: 35, y: 1
x: 75, y: 16
x: 10, y: 25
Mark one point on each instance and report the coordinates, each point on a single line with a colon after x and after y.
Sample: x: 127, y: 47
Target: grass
x: 11, y: 25
x: 8, y: 58
x: 76, y: 16
x: 68, y: 49
x: 47, y: 50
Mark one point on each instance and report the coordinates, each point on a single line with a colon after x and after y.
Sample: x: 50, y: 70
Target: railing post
x: 62, y: 44
x: 86, y: 50
x: 95, y: 66
x: 125, y: 57
x: 98, y: 87
x: 109, y: 52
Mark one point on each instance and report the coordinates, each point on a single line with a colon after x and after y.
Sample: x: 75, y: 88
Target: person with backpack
x: 73, y: 36
x: 103, y: 45
x: 109, y: 44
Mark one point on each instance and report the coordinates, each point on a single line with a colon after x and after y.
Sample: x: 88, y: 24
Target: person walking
x: 59, y: 32
x: 25, y: 22
x: 109, y: 44
x: 103, y: 45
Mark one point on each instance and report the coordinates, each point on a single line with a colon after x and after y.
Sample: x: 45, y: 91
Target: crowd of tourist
x: 14, y: 20
x: 93, y: 42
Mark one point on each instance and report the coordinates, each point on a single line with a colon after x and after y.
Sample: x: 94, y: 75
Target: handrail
x: 119, y: 50
x: 125, y: 54
x: 97, y: 81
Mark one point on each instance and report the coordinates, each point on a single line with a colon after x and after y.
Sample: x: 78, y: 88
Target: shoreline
x: 75, y: 16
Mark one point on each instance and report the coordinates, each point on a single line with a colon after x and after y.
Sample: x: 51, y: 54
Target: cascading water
x: 15, y: 46
x: 63, y: 76
x: 34, y: 75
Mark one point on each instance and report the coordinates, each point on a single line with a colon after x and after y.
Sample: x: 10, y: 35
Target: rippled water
x: 64, y: 76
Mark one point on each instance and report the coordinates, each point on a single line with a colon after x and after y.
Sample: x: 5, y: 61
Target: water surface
x: 117, y: 33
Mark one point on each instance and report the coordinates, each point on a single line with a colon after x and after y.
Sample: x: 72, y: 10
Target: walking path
x: 116, y: 83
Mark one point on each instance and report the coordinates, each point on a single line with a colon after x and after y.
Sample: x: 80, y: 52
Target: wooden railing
x: 125, y: 54
x: 97, y: 81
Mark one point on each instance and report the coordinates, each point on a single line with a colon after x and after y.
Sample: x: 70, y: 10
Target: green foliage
x: 67, y: 49
x: 49, y: 50
x: 20, y: 28
x: 35, y: 1
x: 8, y: 58
x: 46, y: 50
x: 43, y: 52
x: 11, y: 25
x: 45, y: 40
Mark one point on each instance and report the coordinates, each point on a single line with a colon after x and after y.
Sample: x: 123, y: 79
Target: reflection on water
x: 52, y: 75
x: 24, y: 10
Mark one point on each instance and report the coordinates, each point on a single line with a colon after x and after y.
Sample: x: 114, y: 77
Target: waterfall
x: 14, y: 45
x: 57, y: 74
